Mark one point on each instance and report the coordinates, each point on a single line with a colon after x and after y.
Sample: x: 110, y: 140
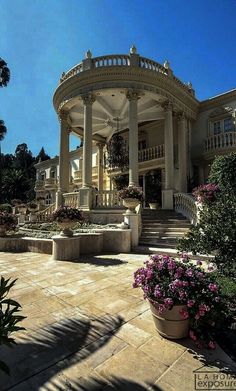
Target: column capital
x: 62, y: 115
x: 167, y: 106
x: 181, y: 116
x: 100, y: 145
x: 88, y: 99
x: 133, y: 95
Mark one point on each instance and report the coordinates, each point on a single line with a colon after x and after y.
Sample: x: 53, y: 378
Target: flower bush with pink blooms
x: 170, y: 282
x: 206, y: 193
x: 67, y: 213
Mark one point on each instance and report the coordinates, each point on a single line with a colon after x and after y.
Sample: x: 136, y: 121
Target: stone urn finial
x: 166, y: 64
x: 88, y: 54
x: 133, y: 50
x: 189, y: 84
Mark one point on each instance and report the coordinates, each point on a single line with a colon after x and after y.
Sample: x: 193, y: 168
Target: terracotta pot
x: 170, y: 324
x: 131, y: 204
x: 66, y: 228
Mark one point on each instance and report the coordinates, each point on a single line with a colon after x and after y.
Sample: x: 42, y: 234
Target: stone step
x: 164, y: 229
x: 153, y: 249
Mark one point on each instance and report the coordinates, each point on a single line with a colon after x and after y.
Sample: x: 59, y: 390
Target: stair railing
x: 187, y: 206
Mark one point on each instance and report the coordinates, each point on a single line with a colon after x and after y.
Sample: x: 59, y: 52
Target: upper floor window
x: 216, y: 127
x: 228, y: 124
x: 222, y: 120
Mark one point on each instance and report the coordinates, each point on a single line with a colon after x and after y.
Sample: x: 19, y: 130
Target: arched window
x: 48, y: 199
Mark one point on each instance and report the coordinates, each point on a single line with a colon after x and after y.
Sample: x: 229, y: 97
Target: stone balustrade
x: 124, y: 60
x: 156, y: 152
x: 220, y: 141
x: 44, y: 215
x: 71, y: 199
x: 106, y: 199
x: 187, y: 206
x: 50, y: 182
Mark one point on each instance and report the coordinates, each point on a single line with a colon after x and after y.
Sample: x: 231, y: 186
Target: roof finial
x: 166, y: 64
x: 88, y: 54
x: 133, y: 50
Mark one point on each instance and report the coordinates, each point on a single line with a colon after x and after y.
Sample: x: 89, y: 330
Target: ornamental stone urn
x: 65, y: 227
x: 131, y: 204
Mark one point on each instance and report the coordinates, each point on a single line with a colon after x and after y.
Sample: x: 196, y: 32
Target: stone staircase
x: 162, y: 228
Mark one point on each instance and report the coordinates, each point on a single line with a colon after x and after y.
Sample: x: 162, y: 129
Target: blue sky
x: 40, y: 39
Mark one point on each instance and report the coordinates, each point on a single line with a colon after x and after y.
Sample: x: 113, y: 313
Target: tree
x: 216, y: 231
x: 4, y: 73
x: 42, y: 156
x: 3, y: 131
x: 223, y: 172
x: 24, y: 159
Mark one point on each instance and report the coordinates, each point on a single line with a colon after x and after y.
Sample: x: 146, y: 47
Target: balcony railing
x: 39, y: 184
x: 151, y: 153
x: 220, y: 141
x: 106, y: 199
x: 71, y: 199
x: 50, y: 182
x: 124, y: 60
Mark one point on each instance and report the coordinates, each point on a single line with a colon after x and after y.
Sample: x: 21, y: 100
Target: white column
x: 88, y: 100
x: 144, y: 189
x: 133, y: 97
x: 167, y: 193
x: 100, y: 166
x: 190, y: 164
x: 182, y: 153
x: 64, y: 175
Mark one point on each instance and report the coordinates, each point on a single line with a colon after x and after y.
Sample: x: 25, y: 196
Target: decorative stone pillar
x: 144, y: 189
x: 64, y: 175
x: 182, y: 152
x: 100, y: 166
x: 190, y: 165
x: 133, y: 97
x: 88, y: 100
x: 167, y: 193
x: 86, y: 190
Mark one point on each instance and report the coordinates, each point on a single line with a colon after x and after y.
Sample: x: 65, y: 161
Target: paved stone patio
x: 88, y: 329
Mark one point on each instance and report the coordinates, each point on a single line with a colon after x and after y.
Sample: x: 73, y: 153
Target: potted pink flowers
x: 66, y: 217
x: 7, y: 222
x: 131, y: 196
x: 184, y: 299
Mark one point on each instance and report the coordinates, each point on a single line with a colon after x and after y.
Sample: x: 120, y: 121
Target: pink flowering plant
x: 67, y: 213
x: 206, y: 193
x: 131, y: 192
x: 8, y: 221
x: 169, y: 282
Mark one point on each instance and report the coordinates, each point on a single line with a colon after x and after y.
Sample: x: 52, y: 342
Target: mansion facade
x: 170, y: 136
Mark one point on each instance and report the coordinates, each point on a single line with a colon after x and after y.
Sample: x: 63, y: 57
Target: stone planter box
x: 109, y: 240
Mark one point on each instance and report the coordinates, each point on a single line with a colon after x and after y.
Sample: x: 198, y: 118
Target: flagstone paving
x: 88, y: 329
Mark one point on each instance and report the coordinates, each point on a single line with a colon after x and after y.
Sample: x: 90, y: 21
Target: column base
x: 168, y: 199
x: 133, y: 221
x: 86, y: 198
x: 59, y: 198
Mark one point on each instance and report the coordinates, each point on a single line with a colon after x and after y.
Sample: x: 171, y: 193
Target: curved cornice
x: 126, y: 78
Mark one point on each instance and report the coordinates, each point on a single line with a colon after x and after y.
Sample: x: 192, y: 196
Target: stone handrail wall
x: 106, y: 199
x: 187, y: 206
x: 112, y: 60
x: 151, y: 153
x: 123, y: 60
x: 220, y: 141
x: 44, y: 215
x: 152, y: 65
x: 71, y: 199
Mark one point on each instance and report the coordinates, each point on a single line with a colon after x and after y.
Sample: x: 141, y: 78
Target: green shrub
x: 9, y: 317
x: 223, y: 171
x: 6, y: 208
